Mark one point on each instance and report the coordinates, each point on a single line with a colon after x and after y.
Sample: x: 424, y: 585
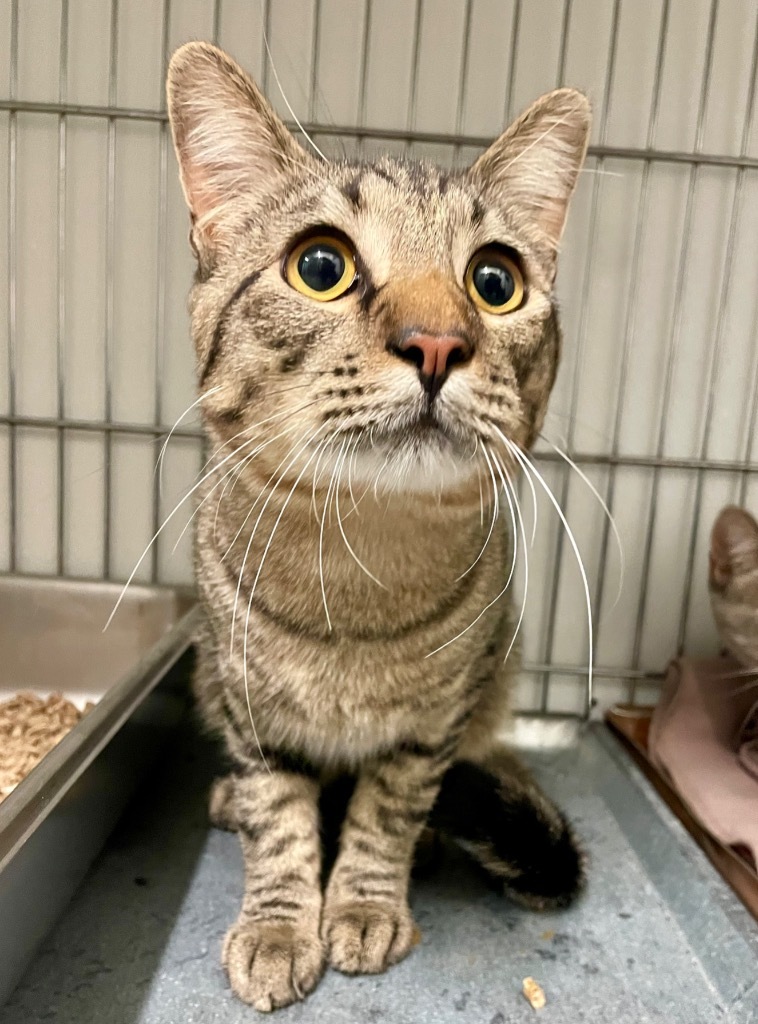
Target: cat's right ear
x: 230, y: 144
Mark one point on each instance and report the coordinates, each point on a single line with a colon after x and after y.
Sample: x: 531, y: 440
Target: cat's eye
x: 321, y: 267
x: 494, y: 281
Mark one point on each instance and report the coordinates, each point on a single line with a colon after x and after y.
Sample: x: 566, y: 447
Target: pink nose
x: 434, y: 355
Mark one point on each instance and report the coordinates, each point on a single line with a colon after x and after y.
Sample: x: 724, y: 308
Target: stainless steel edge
x: 43, y: 789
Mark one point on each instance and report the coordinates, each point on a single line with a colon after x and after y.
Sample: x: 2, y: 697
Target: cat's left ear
x: 535, y: 163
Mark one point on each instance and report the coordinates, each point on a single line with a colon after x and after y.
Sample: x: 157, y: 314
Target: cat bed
x: 700, y: 747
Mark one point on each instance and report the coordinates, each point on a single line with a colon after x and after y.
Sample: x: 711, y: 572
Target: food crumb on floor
x: 533, y: 993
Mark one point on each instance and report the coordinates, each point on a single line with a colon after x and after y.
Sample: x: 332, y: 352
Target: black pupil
x: 321, y: 266
x: 494, y: 282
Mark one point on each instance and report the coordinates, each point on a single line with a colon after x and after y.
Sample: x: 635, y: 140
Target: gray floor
x: 658, y: 938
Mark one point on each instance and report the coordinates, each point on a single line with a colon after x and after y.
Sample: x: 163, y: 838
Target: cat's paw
x: 272, y: 965
x: 367, y: 938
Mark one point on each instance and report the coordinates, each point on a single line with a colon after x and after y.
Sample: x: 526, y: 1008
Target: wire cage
x: 657, y: 398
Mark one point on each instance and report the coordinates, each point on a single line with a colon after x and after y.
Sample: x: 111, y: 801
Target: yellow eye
x: 321, y: 267
x: 494, y: 281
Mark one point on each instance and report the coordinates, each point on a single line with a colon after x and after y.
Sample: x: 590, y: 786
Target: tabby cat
x: 373, y: 341
x: 733, y: 583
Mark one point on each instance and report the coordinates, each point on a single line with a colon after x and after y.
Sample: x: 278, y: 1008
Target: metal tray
x: 56, y: 821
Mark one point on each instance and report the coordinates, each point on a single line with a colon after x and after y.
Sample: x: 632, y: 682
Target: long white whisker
x: 295, y: 118
x: 486, y: 607
x: 164, y: 446
x: 255, y: 584
x: 622, y: 565
x: 254, y: 426
x: 510, y: 489
x: 495, y: 514
x: 321, y: 544
x: 165, y: 523
x: 263, y: 490
x: 529, y: 466
x: 350, y: 463
x: 307, y: 439
x: 227, y: 479
x: 348, y: 545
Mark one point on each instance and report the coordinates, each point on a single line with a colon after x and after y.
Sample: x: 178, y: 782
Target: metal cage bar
x: 736, y: 162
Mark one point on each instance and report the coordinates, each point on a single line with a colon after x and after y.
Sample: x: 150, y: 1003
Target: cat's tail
x: 498, y: 814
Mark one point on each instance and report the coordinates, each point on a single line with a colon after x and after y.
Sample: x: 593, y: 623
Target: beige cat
x: 376, y: 344
x: 733, y: 583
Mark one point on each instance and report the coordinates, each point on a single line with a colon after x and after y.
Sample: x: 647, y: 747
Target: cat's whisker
x: 165, y: 523
x: 530, y: 467
x: 237, y: 469
x: 510, y: 489
x: 607, y: 512
x: 495, y: 514
x: 164, y: 446
x: 255, y: 584
x: 486, y: 607
x: 295, y: 118
x: 306, y: 440
x: 350, y: 463
x: 260, y: 495
x: 348, y: 545
x: 254, y: 426
x: 321, y: 544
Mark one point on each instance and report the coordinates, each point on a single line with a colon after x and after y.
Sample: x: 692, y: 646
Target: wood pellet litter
x: 533, y: 993
x: 30, y: 726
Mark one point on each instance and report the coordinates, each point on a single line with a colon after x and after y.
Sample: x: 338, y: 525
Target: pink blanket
x: 704, y: 738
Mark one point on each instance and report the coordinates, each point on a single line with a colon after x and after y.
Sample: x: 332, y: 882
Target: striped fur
x: 344, y: 533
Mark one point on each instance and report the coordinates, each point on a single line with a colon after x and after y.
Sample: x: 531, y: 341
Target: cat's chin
x: 420, y: 458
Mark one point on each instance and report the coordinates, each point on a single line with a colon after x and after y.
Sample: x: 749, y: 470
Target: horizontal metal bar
x: 599, y: 671
x: 582, y: 458
x: 674, y: 156
x: 99, y: 426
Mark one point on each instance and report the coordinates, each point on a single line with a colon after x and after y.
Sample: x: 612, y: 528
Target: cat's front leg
x: 274, y: 954
x: 367, y: 923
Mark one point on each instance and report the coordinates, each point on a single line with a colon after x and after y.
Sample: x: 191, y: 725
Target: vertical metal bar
x: 160, y: 305
x: 718, y: 341
x: 673, y: 344
x: 413, y: 90
x: 515, y: 28
x: 315, y: 48
x: 463, y: 79
x: 12, y: 294
x: 362, y: 89
x: 266, y: 45
x: 576, y: 376
x: 110, y: 242
x: 752, y: 423
x: 216, y: 23
x: 61, y: 281
x: 564, y: 43
x: 640, y: 234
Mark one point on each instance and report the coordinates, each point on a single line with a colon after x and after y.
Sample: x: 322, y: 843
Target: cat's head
x: 733, y: 559
x: 733, y: 581
x: 404, y: 313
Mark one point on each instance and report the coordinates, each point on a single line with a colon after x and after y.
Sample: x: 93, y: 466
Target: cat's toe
x: 272, y: 965
x: 367, y: 938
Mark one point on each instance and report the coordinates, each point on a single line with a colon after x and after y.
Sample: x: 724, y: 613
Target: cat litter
x: 30, y: 727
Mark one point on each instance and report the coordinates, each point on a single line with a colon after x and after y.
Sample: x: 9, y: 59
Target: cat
x: 371, y: 339
x: 733, y: 583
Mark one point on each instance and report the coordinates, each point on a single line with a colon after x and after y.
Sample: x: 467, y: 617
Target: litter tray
x: 55, y: 821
